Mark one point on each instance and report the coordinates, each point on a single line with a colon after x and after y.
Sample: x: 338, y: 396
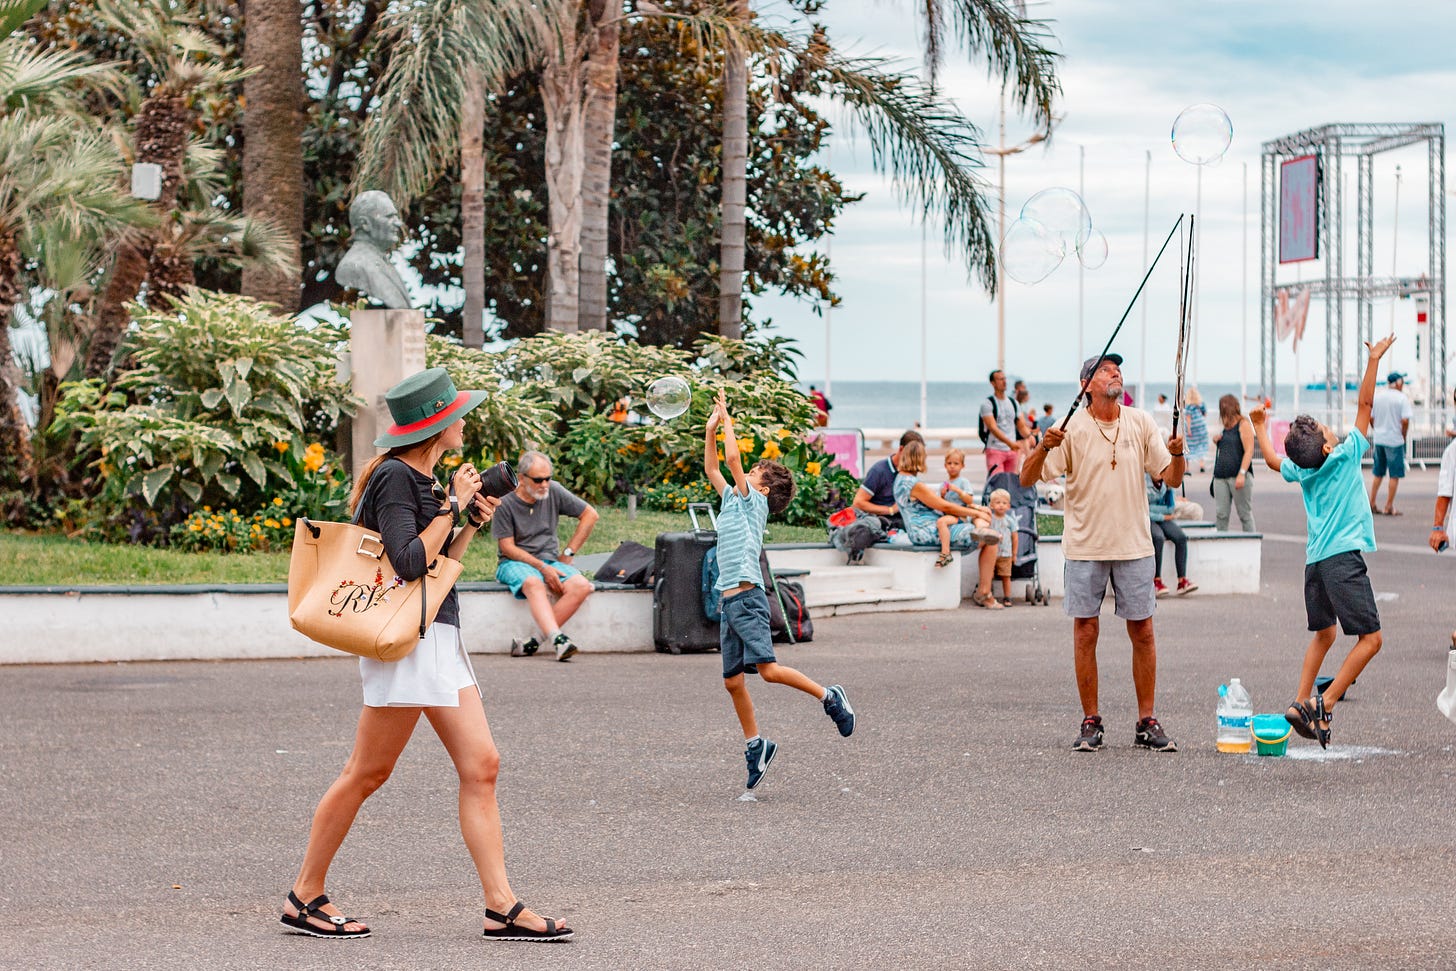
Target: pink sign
x: 1299, y: 210
x: 847, y: 447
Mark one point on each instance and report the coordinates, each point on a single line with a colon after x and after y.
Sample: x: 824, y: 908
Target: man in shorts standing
x: 1002, y: 424
x: 1390, y: 418
x: 1103, y: 452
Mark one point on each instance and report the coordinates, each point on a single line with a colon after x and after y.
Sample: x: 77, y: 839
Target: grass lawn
x: 48, y: 559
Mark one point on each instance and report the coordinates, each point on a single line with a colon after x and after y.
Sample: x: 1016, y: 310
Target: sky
x: 1129, y: 68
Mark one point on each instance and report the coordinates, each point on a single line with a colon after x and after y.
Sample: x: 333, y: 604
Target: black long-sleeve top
x: 399, y: 503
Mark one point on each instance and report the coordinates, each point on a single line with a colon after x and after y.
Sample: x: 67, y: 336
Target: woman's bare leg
x: 465, y: 733
x: 380, y: 738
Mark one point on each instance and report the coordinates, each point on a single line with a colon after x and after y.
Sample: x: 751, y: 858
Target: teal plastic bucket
x: 1271, y: 734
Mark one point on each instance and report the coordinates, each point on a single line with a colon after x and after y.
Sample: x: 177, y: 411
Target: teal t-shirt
x: 1335, y: 503
x: 741, y: 522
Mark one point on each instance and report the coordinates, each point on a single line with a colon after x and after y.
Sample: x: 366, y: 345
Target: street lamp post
x: 1001, y: 151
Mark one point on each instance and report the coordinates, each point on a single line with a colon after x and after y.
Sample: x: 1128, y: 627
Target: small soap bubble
x: 1063, y: 213
x: 1092, y: 251
x: 1030, y: 253
x: 669, y: 397
x: 1202, y: 133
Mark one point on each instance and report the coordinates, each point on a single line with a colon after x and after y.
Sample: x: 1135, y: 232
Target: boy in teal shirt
x: 745, y: 637
x: 1336, y: 585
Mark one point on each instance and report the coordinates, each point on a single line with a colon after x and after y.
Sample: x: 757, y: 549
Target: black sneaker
x: 525, y: 648
x: 1090, y: 738
x: 1150, y: 735
x: 564, y: 648
x: 760, y: 756
x: 836, y: 706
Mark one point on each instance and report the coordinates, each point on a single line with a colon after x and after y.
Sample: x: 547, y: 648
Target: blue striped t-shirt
x: 741, y: 522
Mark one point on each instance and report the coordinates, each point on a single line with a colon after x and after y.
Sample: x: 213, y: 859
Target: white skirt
x: 430, y: 676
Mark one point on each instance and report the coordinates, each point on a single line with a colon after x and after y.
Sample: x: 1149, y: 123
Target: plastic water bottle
x: 1446, y: 700
x: 1235, y: 718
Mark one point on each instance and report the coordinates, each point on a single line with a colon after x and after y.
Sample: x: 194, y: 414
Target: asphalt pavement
x: 153, y: 815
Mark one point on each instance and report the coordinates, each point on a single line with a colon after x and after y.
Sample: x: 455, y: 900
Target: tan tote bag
x: 343, y: 593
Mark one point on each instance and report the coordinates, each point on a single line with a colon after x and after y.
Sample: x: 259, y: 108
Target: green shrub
x: 219, y: 383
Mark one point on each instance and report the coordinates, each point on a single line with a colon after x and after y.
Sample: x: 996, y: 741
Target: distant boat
x: 1320, y: 386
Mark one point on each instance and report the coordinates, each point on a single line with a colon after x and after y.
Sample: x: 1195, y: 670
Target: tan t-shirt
x: 1107, y: 508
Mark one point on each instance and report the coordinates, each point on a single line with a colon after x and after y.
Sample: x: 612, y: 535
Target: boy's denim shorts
x: 745, y: 636
x: 1085, y: 584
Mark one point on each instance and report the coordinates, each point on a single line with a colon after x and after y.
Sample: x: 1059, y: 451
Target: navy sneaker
x: 1150, y: 735
x: 565, y: 649
x: 525, y: 648
x: 760, y: 756
x: 1089, y: 739
x: 836, y: 706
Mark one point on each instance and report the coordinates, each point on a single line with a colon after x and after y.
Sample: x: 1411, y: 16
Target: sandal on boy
x: 513, y: 932
x: 301, y: 924
x: 1301, y: 719
x: 1321, y: 714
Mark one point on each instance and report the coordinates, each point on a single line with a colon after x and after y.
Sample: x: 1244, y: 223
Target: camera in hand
x: 498, y: 481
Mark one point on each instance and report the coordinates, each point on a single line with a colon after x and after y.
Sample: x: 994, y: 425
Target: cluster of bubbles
x: 669, y: 397
x: 1054, y: 224
x: 1202, y: 134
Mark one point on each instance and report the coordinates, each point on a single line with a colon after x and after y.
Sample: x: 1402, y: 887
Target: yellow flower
x: 770, y: 450
x: 287, y: 522
x: 207, y: 509
x: 452, y: 461
x: 782, y: 434
x: 745, y: 444
x: 272, y: 523
x: 277, y: 501
x: 281, y: 447
x: 720, y: 455
x: 313, y: 461
x: 720, y: 436
x: 811, y: 467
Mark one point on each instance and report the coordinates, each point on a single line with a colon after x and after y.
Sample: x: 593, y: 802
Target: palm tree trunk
x: 273, y: 138
x: 14, y: 432
x: 472, y: 207
x: 735, y: 185
x: 161, y: 137
x: 561, y: 97
x: 598, y: 133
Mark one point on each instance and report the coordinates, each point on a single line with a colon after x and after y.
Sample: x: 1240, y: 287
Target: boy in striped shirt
x: 745, y: 636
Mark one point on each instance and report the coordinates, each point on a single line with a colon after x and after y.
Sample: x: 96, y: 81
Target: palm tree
x: 186, y: 64
x: 599, y: 118
x: 273, y: 119
x: 927, y: 148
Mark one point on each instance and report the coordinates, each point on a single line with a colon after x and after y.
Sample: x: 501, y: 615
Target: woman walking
x: 1233, y: 475
x: 1196, y: 417
x: 397, y: 495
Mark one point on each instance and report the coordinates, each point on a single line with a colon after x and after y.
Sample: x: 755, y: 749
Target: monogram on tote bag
x: 343, y: 593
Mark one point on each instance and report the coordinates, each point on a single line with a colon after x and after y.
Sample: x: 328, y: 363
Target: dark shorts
x: 745, y: 635
x: 1388, y: 460
x: 1338, y: 588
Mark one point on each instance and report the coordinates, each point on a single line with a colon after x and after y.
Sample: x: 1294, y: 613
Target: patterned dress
x: 920, y: 518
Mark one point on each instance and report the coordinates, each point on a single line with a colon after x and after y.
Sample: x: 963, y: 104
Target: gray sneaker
x: 565, y: 650
x: 524, y: 648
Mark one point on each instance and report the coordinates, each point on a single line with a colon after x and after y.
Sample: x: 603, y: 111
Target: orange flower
x: 281, y: 447
x: 811, y: 467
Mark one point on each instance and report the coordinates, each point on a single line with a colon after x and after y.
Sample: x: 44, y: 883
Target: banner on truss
x: 1299, y: 209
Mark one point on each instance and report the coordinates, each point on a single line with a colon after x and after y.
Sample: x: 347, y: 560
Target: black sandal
x: 1301, y: 719
x: 511, y: 932
x: 301, y: 925
x: 1322, y: 714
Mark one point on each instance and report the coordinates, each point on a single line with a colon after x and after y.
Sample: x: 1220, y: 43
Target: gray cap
x: 1092, y: 363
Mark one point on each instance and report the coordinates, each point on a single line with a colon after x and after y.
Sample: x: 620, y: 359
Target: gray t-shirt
x: 533, y: 524
x: 1005, y: 411
x: 1390, y: 409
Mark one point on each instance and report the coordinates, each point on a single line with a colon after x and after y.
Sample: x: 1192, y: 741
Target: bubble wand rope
x: 1101, y: 357
x: 1185, y: 325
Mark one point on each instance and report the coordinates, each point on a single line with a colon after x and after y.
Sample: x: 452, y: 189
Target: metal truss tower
x: 1333, y: 144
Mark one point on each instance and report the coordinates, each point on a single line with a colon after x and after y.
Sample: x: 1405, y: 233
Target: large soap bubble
x: 669, y: 397
x: 1092, y: 251
x: 1062, y: 213
x: 1202, y: 133
x: 1030, y: 251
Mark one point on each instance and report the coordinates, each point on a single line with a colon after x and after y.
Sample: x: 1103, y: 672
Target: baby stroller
x: 1023, y: 507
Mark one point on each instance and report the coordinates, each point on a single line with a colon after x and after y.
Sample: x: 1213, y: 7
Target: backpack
x: 787, y: 611
x: 630, y: 564
x: 996, y: 417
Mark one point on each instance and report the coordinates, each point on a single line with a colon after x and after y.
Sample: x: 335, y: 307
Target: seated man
x: 876, y: 495
x: 525, y: 528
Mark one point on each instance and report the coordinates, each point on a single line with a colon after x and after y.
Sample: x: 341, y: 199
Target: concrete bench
x: 892, y: 577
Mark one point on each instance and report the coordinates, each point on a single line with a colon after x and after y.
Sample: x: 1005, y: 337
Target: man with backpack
x: 1001, y: 425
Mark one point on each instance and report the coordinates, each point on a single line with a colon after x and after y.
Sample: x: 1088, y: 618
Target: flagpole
x: 1143, y: 356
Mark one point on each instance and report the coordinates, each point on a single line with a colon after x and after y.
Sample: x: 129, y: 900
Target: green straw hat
x: 424, y: 404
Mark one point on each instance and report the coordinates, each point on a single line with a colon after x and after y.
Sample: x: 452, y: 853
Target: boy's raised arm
x: 1367, y: 383
x: 1266, y: 444
x: 710, y: 452
x: 730, y: 449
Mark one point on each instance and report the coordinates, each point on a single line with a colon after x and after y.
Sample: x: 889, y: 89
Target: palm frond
x: 414, y: 127
x: 234, y: 240
x: 31, y: 75
x: 1016, y: 49
x: 14, y: 13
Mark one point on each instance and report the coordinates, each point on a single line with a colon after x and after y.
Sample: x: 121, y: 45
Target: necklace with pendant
x: 1116, y: 434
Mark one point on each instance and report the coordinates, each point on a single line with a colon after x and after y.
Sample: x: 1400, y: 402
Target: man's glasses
x: 539, y: 479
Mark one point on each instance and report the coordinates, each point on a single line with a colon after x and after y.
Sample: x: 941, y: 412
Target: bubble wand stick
x: 1108, y: 346
x: 1185, y: 325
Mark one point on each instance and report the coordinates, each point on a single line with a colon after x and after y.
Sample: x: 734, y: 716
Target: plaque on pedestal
x: 385, y: 347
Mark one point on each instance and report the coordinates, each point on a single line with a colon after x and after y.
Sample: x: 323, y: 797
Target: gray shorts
x: 1085, y: 583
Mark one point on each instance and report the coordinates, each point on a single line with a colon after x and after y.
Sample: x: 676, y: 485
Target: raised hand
x: 1257, y: 416
x: 1378, y: 349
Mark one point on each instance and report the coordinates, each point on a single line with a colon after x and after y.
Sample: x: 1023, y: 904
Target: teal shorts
x: 514, y: 574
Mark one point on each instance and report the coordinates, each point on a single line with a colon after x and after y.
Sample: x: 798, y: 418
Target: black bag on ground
x: 678, y: 621
x: 631, y: 563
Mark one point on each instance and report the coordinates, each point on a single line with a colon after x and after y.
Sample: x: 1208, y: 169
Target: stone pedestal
x: 385, y: 346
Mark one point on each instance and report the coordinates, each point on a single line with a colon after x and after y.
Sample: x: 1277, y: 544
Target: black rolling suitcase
x: 678, y: 621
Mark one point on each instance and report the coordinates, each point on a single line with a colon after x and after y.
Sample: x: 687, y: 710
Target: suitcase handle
x: 696, y: 507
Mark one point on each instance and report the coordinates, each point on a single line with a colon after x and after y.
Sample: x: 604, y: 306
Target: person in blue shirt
x: 745, y: 637
x: 1336, y: 585
x: 1162, y: 502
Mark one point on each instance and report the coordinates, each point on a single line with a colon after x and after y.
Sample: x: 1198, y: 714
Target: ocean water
x: 956, y: 404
